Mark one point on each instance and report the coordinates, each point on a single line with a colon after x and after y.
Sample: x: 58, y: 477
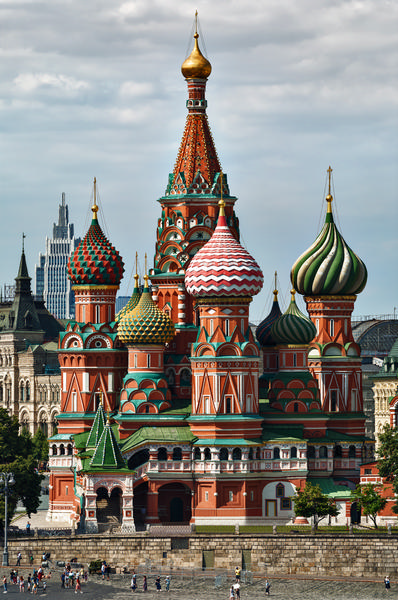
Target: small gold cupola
x: 196, y: 66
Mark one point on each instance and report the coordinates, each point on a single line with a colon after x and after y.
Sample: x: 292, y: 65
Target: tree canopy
x: 370, y: 500
x: 311, y: 502
x: 16, y: 457
x: 388, y: 459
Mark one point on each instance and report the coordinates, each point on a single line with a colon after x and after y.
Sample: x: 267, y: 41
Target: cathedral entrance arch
x: 174, y: 503
x: 109, y: 506
x: 140, y: 505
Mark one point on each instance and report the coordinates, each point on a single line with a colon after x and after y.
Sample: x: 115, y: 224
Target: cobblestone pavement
x: 201, y: 587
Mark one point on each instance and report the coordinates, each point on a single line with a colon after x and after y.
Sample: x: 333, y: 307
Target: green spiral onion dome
x: 263, y: 331
x: 95, y: 261
x: 329, y: 266
x: 132, y: 303
x: 293, y: 327
x: 145, y: 324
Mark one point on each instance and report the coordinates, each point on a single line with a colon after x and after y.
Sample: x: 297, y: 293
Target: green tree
x: 311, y: 502
x: 388, y: 459
x: 16, y: 457
x: 370, y: 500
x: 40, y: 446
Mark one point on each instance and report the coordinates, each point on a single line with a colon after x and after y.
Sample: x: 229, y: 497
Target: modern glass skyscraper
x: 51, y: 275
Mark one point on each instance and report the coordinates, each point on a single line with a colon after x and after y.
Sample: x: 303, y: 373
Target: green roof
x: 60, y: 436
x: 182, y: 435
x: 107, y: 453
x: 277, y: 434
x: 97, y: 428
x: 330, y: 487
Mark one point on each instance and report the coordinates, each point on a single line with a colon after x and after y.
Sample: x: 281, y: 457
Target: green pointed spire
x: 97, y: 428
x: 107, y: 453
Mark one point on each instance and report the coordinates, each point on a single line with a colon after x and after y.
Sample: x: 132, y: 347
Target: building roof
x: 159, y: 434
x: 293, y: 327
x: 329, y: 266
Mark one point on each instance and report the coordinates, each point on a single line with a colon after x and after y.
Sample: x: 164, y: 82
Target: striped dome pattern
x: 329, y: 266
x: 293, y: 327
x: 263, y: 331
x: 95, y: 261
x: 222, y: 267
x: 132, y: 303
x: 145, y: 324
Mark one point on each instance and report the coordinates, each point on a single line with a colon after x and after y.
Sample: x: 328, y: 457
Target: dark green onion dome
x: 293, y: 327
x: 132, y: 303
x: 329, y: 266
x: 263, y: 331
x: 95, y: 261
x: 146, y: 323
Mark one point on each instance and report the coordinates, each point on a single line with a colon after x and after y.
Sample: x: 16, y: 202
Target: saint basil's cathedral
x: 174, y: 409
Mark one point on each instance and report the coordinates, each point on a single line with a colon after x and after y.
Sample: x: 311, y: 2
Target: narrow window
x: 331, y: 327
x: 228, y: 406
x: 294, y: 360
x: 148, y: 360
x: 251, y: 496
x: 211, y: 326
x: 97, y: 314
x: 333, y: 400
x: 206, y: 496
x: 226, y: 327
x: 231, y: 496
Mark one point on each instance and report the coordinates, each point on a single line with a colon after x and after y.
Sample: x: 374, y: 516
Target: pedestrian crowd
x: 32, y: 582
x: 158, y: 583
x: 73, y: 578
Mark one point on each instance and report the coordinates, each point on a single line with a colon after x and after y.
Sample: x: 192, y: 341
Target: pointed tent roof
x: 97, y: 428
x: 107, y: 454
x: 197, y: 166
x: 24, y: 311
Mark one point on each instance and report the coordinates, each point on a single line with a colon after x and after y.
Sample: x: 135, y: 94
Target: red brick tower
x: 189, y: 216
x: 329, y: 274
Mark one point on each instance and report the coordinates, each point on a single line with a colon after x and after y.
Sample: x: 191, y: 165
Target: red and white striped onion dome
x: 222, y: 267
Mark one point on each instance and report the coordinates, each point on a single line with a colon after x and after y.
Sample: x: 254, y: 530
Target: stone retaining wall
x: 342, y: 555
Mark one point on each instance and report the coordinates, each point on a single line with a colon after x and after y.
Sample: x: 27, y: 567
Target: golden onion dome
x: 196, y: 66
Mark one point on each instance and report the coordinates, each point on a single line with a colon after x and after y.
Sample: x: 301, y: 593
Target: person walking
x: 144, y: 584
x: 4, y: 584
x: 167, y: 581
x: 237, y: 574
x: 267, y: 587
x: 19, y: 556
x: 28, y: 528
x: 231, y: 593
x: 21, y: 584
x: 158, y: 584
x: 387, y: 582
x: 133, y: 582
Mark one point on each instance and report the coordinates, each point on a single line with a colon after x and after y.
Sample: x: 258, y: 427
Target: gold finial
x: 136, y: 276
x: 329, y: 197
x: 293, y: 293
x: 146, y: 276
x: 275, y: 288
x: 100, y: 396
x: 196, y: 66
x: 23, y: 242
x: 221, y: 202
x: 94, y: 208
x: 108, y: 418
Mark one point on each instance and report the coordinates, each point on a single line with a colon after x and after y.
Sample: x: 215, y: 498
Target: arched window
x: 223, y: 454
x: 22, y: 393
x: 138, y: 459
x: 54, y: 450
x: 237, y: 454
x: 276, y: 453
x: 293, y: 452
x: 323, y: 452
x: 207, y: 454
x: 311, y: 452
x: 62, y: 450
x: 27, y: 392
x: 251, y: 454
x: 338, y: 452
x: 351, y: 452
x: 162, y: 454
x: 177, y: 454
x: 280, y: 490
x: 196, y: 454
x: 69, y: 449
x: 295, y: 407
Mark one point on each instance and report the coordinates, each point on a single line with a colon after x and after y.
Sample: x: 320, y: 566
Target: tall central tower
x: 188, y: 219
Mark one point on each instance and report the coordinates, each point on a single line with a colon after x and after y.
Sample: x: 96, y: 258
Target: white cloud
x: 29, y: 82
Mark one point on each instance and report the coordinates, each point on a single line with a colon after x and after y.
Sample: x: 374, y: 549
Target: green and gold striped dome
x: 293, y: 327
x: 145, y: 324
x: 329, y: 266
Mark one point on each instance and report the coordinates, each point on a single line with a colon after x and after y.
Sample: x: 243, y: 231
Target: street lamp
x: 6, y: 479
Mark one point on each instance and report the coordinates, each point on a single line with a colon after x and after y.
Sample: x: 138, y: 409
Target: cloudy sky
x: 94, y: 88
